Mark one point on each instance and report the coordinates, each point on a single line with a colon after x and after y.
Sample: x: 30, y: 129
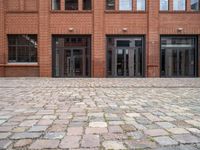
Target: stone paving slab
x: 153, y: 114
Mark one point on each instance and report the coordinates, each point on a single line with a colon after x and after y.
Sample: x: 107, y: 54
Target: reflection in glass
x: 179, y: 5
x: 125, y: 4
x: 164, y: 5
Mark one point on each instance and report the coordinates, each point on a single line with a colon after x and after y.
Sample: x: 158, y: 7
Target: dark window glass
x: 22, y: 48
x: 71, y: 4
x: 55, y: 4
x: 110, y: 4
x: 164, y: 5
x: 87, y: 5
x: 195, y: 5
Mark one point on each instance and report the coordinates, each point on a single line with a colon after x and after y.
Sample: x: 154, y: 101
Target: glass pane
x: 55, y: 4
x: 141, y: 5
x: 71, y: 4
x: 22, y: 48
x: 110, y: 4
x: 164, y: 5
x: 125, y: 4
x: 179, y: 5
x: 194, y: 5
x: 87, y: 4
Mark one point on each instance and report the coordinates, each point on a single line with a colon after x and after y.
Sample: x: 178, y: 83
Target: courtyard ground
x: 46, y: 113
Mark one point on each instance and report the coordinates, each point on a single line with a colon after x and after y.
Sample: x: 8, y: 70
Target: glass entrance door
x: 178, y: 56
x: 179, y: 62
x: 74, y: 63
x: 125, y: 56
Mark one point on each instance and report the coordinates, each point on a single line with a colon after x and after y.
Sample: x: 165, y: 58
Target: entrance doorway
x: 178, y: 57
x: 72, y: 57
x: 125, y: 57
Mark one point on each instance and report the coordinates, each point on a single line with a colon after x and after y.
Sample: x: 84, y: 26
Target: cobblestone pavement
x: 45, y: 113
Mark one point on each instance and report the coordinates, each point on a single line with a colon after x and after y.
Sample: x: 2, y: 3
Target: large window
x: 71, y: 4
x: 179, y: 5
x: 87, y: 5
x: 22, y: 48
x: 164, y: 5
x: 195, y: 5
x: 125, y: 5
x: 110, y: 4
x: 141, y: 5
x: 55, y: 4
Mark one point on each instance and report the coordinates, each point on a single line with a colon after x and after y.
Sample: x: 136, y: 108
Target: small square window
x: 71, y: 4
x: 141, y: 5
x: 87, y: 4
x: 195, y: 5
x: 125, y: 5
x: 179, y: 5
x: 164, y: 5
x: 55, y: 4
x: 110, y: 4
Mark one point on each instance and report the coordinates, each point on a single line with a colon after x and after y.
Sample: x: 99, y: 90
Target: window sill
x: 71, y: 11
x: 120, y: 11
x: 21, y: 65
x: 18, y: 11
x: 179, y: 12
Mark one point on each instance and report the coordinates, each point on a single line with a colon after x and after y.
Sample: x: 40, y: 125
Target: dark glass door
x: 74, y: 63
x: 179, y: 62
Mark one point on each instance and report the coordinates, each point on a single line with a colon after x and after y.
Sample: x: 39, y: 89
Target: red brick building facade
x: 36, y: 17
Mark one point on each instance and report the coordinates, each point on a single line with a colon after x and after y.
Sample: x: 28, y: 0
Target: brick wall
x: 36, y: 17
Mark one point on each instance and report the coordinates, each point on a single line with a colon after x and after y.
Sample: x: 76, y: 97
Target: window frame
x: 91, y: 3
x: 106, y: 4
x: 65, y: 4
x: 26, y: 47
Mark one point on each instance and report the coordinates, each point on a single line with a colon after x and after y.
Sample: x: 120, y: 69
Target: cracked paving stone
x: 45, y: 144
x: 70, y: 142
x: 115, y: 145
x: 165, y: 141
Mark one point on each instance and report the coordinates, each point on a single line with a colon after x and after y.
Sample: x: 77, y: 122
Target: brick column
x: 21, y: 4
x: 116, y: 4
x: 199, y: 55
x: 170, y: 5
x: 2, y: 39
x: 45, y: 59
x: 62, y: 5
x: 99, y: 48
x: 153, y: 40
x: 80, y: 4
x: 188, y: 8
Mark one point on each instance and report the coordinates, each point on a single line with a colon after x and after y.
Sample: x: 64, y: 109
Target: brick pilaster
x: 188, y: 7
x: 170, y: 5
x: 199, y: 55
x: 2, y: 39
x: 99, y: 51
x: 153, y: 50
x: 44, y: 39
x: 62, y: 3
x: 80, y: 4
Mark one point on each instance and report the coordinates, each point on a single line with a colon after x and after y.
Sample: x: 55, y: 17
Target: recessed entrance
x: 178, y: 57
x: 71, y: 56
x: 125, y: 57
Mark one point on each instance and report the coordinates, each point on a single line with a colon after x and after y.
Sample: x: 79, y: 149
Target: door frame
x: 196, y: 53
x: 125, y: 37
